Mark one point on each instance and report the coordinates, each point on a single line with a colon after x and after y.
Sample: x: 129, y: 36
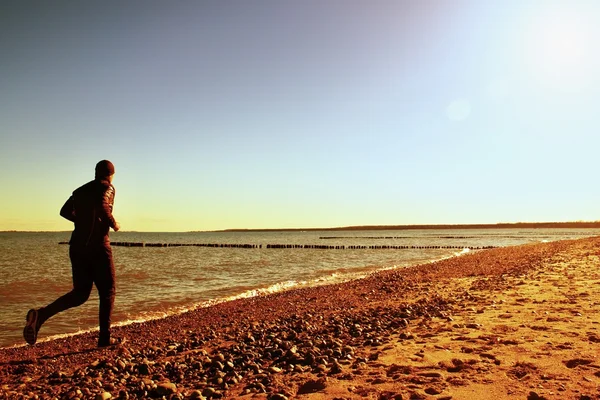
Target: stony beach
x: 508, y: 323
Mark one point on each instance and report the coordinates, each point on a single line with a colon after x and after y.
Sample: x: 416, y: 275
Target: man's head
x: 105, y: 170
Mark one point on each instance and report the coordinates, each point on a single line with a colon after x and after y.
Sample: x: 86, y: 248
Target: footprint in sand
x: 520, y: 369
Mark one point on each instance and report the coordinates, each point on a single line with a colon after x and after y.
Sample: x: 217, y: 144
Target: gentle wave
x: 330, y: 277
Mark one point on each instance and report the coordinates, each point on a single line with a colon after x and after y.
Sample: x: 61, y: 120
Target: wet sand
x: 510, y: 323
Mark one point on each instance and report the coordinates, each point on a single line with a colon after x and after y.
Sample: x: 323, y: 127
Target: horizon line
x: 567, y: 224
x: 500, y: 225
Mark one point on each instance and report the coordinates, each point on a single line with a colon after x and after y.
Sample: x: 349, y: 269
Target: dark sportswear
x: 90, y: 208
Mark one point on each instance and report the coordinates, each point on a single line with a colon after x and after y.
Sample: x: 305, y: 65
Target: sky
x: 301, y: 114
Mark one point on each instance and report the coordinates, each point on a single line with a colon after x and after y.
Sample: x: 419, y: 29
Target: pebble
x: 277, y: 396
x: 336, y: 368
x: 535, y: 396
x: 436, y: 375
x: 144, y: 369
x: 433, y: 391
x: 166, y: 388
x: 577, y: 362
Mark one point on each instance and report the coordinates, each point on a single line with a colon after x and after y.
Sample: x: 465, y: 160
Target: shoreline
x: 458, y: 328
x: 332, y: 277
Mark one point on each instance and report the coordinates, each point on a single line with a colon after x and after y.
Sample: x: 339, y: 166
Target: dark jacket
x: 90, y: 208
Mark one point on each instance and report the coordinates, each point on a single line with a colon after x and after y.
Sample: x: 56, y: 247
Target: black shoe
x: 107, y: 342
x: 31, y: 327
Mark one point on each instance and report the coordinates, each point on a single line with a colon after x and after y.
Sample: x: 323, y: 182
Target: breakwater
x: 292, y: 246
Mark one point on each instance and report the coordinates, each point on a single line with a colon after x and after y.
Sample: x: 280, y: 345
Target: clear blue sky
x: 273, y: 114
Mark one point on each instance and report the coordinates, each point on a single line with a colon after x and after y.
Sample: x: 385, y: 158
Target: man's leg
x: 104, y: 278
x: 82, y: 286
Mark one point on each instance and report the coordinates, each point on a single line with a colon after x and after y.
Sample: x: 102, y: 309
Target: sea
x: 171, y: 274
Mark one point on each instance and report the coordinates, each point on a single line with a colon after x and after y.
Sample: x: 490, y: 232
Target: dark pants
x: 90, y: 265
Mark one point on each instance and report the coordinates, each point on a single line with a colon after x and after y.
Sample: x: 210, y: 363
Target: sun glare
x: 558, y: 48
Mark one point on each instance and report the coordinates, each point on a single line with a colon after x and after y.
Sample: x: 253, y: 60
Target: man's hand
x: 117, y: 227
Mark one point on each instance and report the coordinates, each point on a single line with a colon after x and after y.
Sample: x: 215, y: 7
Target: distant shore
x: 516, y: 225
x: 516, y: 322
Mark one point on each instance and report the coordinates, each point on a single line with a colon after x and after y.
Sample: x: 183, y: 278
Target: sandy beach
x: 508, y: 323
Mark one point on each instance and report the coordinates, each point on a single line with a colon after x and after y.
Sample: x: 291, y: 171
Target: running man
x: 90, y: 209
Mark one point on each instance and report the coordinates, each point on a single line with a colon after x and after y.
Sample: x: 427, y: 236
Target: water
x: 156, y: 281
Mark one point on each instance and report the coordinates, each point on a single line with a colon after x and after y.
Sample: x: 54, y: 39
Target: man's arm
x: 107, y: 205
x: 68, y: 210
